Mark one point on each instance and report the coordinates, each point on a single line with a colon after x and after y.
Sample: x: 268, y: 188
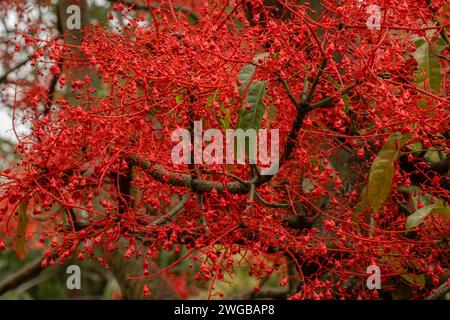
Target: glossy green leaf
x: 247, y: 72
x: 251, y: 118
x: 245, y: 76
x: 382, y: 170
x: 419, y: 216
x: 428, y: 75
x: 252, y: 93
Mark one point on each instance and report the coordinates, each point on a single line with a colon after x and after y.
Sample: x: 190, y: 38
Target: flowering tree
x: 357, y: 89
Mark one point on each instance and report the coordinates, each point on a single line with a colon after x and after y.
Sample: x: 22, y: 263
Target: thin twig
x: 442, y: 290
x: 271, y: 204
x: 178, y: 207
x: 5, y: 76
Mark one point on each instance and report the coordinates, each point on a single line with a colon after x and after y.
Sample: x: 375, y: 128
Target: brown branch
x: 185, y: 180
x: 315, y: 82
x: 290, y: 94
x: 28, y: 272
x: 327, y: 102
x: 178, y: 207
x: 442, y: 290
x: 271, y: 204
x: 303, y: 108
x: 5, y: 76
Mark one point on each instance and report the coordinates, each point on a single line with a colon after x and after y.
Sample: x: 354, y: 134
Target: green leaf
x: 346, y: 100
x: 429, y: 68
x: 271, y: 113
x: 382, y: 170
x: 251, y: 118
x: 418, y: 146
x: 307, y: 185
x: 22, y: 224
x: 245, y: 76
x: 363, y: 203
x: 226, y: 121
x: 415, y: 279
x: 434, y: 155
x: 424, y: 198
x: 256, y: 90
x: 419, y: 216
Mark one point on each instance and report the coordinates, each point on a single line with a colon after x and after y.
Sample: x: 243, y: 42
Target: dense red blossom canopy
x: 96, y: 165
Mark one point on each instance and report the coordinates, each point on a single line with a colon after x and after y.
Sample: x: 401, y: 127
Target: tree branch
x: 271, y: 204
x: 185, y: 180
x: 442, y: 31
x: 326, y: 103
x: 28, y: 272
x: 442, y: 290
x: 5, y: 76
x: 178, y: 207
